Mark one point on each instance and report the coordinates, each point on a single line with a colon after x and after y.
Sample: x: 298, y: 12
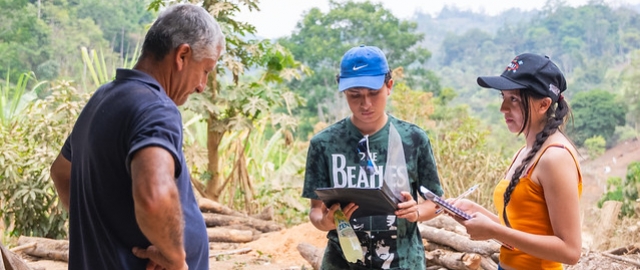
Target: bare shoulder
x: 557, y: 162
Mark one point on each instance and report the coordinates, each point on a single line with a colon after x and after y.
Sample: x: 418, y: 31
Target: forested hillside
x: 46, y: 36
x: 596, y: 45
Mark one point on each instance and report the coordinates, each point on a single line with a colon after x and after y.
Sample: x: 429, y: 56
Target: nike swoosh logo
x: 356, y: 68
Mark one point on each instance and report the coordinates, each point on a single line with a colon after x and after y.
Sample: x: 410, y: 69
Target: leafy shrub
x: 29, y: 145
x: 595, y: 146
x: 624, y: 133
x: 624, y: 191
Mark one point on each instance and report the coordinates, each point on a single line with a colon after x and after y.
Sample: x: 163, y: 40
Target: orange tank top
x: 527, y: 212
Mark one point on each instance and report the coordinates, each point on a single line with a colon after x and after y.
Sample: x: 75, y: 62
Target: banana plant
x: 96, y: 64
x: 14, y: 98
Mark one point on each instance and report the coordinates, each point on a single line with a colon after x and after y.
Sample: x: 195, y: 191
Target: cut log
x: 608, y: 219
x: 312, y: 254
x: 446, y: 222
x: 229, y: 235
x: 495, y: 257
x: 48, y: 243
x: 256, y: 234
x: 454, y: 260
x: 431, y: 246
x: 488, y: 264
x: 458, y: 242
x: 632, y: 249
x: 57, y: 250
x: 623, y: 259
x: 11, y: 261
x: 266, y: 214
x: 211, y: 206
x: 23, y: 247
x: 216, y: 220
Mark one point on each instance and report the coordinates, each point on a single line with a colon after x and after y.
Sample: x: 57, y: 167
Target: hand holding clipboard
x: 428, y: 195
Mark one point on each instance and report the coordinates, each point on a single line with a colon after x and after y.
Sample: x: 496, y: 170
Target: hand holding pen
x: 464, y: 194
x: 428, y: 195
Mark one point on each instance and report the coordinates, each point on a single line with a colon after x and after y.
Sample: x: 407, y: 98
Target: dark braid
x: 555, y: 119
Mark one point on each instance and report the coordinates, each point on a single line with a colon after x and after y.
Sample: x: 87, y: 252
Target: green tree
x: 320, y: 39
x: 122, y: 22
x: 624, y: 191
x: 595, y: 146
x: 631, y: 89
x: 24, y: 38
x: 461, y: 48
x: 245, y: 100
x: 28, y: 203
x: 596, y: 113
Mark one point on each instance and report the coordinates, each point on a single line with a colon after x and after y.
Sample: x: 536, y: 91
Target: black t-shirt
x: 123, y: 116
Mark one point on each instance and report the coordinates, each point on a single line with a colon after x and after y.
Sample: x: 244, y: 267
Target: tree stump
x: 11, y: 261
x: 608, y: 219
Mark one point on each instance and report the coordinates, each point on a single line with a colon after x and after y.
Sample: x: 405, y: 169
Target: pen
x: 464, y: 194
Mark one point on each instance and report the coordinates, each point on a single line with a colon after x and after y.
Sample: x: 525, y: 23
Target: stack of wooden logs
x: 223, y: 225
x: 447, y: 246
x: 227, y: 225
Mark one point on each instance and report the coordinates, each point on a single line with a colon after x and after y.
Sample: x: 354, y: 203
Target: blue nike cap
x: 363, y: 66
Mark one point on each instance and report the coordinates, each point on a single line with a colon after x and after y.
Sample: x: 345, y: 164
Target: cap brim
x: 371, y: 82
x: 499, y: 82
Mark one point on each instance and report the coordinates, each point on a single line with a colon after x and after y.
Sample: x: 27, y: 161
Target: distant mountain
x: 454, y: 21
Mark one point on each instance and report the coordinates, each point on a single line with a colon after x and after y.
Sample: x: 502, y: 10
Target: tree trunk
x: 215, y: 132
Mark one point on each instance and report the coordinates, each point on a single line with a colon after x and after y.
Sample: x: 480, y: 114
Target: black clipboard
x: 370, y: 201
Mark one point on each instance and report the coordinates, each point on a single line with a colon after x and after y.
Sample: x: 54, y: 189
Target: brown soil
x: 278, y: 250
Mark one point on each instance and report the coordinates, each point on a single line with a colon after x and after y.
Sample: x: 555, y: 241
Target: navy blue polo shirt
x: 123, y: 116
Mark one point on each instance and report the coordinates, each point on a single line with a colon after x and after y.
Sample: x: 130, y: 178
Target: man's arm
x: 157, y: 207
x: 61, y: 174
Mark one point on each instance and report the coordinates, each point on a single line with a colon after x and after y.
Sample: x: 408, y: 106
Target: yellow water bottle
x: 347, y: 236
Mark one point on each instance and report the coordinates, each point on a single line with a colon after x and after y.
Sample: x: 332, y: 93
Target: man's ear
x: 390, y: 86
x: 183, y: 54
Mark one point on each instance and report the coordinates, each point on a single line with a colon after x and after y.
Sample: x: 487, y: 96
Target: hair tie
x: 560, y: 98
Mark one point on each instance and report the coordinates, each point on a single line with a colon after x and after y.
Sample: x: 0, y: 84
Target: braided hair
x: 555, y: 118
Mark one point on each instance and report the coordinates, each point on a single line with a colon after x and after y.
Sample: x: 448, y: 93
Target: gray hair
x: 184, y: 24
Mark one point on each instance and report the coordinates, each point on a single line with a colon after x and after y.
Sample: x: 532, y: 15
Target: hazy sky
x: 278, y: 18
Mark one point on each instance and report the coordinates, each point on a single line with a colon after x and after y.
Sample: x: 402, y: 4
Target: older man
x: 121, y: 172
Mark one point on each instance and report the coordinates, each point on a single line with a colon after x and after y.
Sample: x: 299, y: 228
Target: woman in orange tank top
x: 538, y: 201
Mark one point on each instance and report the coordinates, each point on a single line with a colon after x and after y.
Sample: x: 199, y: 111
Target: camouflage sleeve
x: 428, y: 172
x: 316, y: 172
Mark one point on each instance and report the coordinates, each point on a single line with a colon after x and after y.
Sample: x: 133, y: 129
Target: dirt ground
x: 278, y: 250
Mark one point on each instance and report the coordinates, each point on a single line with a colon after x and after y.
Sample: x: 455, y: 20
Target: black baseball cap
x: 529, y: 71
